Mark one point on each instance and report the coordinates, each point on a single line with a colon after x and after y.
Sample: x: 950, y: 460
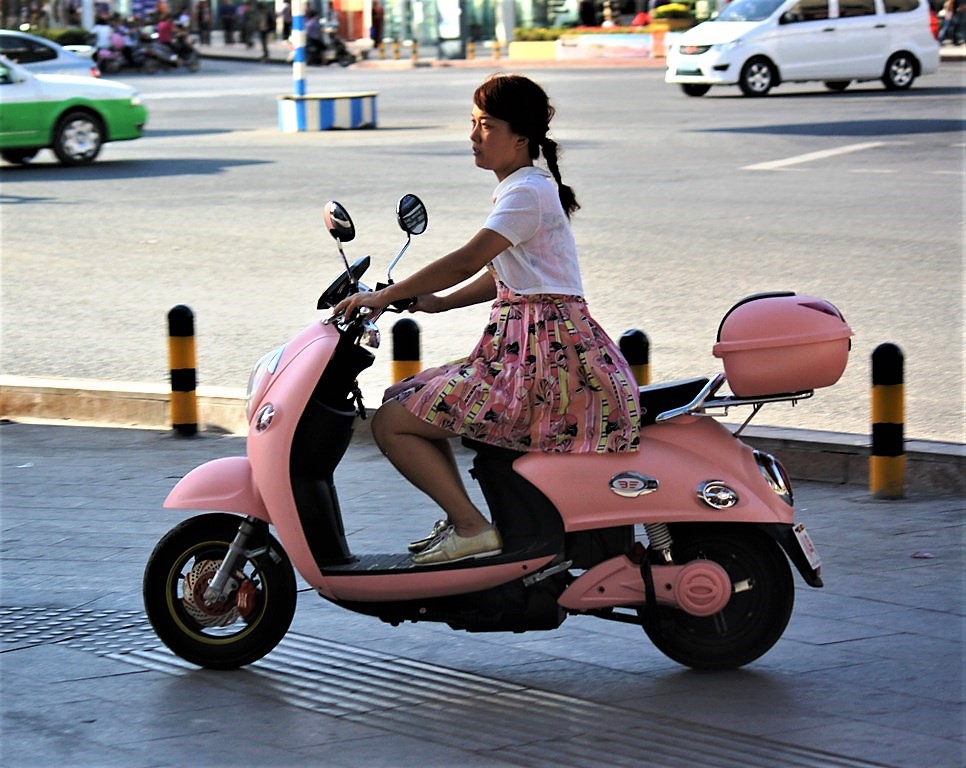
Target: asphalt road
x: 688, y: 206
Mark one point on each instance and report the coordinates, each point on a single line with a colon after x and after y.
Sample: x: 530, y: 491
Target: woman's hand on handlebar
x: 348, y: 307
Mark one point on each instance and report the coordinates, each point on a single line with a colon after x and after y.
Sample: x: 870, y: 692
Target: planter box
x: 533, y: 50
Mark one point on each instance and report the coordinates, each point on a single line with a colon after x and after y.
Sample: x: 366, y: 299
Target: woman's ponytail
x: 568, y: 199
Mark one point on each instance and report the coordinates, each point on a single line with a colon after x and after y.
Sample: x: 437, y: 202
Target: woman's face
x: 495, y: 146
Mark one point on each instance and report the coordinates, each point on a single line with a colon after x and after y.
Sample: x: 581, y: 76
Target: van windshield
x: 749, y: 10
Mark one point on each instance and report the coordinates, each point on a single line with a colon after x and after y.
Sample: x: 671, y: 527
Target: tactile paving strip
x: 534, y: 728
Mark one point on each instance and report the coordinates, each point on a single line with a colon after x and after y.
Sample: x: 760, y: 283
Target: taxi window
x: 25, y: 51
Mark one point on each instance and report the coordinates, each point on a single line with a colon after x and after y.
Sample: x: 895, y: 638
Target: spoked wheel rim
x: 80, y: 139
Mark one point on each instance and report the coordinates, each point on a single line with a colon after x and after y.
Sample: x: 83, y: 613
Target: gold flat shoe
x: 450, y: 547
x: 418, y: 545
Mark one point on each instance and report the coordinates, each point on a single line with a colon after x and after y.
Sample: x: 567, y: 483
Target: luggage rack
x: 701, y: 402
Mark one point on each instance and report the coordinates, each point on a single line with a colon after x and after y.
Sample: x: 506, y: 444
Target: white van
x: 757, y: 44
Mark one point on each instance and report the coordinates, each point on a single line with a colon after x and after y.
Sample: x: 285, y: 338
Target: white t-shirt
x: 542, y: 257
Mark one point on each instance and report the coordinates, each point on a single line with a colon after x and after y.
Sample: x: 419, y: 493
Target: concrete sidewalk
x: 868, y: 673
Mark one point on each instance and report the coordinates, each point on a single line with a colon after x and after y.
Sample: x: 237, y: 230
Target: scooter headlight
x: 259, y: 377
x: 775, y: 475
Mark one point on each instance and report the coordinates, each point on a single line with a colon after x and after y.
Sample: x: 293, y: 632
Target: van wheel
x: 837, y: 85
x: 695, y: 89
x: 900, y: 71
x: 757, y: 77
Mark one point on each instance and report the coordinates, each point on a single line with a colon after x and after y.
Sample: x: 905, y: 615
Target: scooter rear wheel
x: 755, y: 616
x: 236, y: 631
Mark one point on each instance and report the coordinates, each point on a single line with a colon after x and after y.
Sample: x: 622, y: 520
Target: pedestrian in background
x: 226, y: 14
x: 266, y: 24
x: 286, y: 16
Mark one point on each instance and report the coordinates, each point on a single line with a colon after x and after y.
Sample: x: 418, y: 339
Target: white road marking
x: 776, y: 165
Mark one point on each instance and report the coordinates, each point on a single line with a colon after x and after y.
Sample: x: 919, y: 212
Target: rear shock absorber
x: 659, y: 541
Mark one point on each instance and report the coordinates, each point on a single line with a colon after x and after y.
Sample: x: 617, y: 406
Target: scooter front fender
x: 222, y: 485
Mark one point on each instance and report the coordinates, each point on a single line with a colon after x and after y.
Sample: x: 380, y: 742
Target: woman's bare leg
x: 422, y: 454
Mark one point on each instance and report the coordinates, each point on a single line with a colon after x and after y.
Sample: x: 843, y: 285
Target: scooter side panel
x: 269, y: 450
x: 222, y: 485
x: 679, y: 455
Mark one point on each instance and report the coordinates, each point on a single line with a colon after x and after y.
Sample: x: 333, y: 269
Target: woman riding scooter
x: 544, y: 376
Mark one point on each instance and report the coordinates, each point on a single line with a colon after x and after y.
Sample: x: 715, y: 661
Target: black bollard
x: 887, y: 463
x: 405, y: 349
x: 636, y: 349
x: 181, y: 361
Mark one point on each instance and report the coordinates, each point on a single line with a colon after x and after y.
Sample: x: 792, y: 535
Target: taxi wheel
x: 78, y: 138
x: 18, y: 156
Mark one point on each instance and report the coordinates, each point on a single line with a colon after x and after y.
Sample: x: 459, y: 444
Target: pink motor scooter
x: 709, y: 580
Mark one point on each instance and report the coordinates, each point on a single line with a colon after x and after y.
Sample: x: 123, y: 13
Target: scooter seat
x: 655, y: 399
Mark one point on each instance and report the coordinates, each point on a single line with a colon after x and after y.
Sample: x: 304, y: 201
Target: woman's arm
x: 447, y: 271
x: 483, y: 288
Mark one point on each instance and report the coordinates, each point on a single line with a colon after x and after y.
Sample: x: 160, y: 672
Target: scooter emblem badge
x: 632, y: 484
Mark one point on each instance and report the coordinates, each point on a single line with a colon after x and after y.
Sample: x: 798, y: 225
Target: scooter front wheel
x: 755, y: 616
x: 233, y: 632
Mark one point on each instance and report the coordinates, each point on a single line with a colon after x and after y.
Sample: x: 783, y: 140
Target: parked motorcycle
x: 690, y: 537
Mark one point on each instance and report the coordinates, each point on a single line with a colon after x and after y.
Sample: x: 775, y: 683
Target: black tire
x: 193, y: 62
x: 695, y: 89
x: 190, y: 552
x: 752, y: 621
x: 18, y: 156
x: 757, y: 77
x: 151, y: 65
x: 838, y: 85
x: 346, y: 58
x: 900, y: 71
x: 78, y: 138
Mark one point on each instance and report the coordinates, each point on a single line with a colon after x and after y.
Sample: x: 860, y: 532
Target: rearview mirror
x: 412, y: 215
x: 338, y: 222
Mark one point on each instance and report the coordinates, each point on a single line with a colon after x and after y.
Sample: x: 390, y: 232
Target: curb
x: 932, y: 467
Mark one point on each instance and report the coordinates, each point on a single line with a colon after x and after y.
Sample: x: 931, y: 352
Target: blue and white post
x: 298, y: 61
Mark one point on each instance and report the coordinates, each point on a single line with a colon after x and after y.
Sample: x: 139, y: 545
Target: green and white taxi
x: 73, y: 116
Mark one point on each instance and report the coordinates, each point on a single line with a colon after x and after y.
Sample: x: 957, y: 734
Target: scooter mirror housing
x: 412, y: 215
x: 338, y: 221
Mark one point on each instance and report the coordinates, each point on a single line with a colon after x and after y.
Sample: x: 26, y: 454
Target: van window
x: 849, y: 8
x: 900, y: 6
x: 806, y: 10
x: 749, y: 10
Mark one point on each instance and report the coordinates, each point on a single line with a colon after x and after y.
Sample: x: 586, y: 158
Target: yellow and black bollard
x: 887, y: 463
x: 414, y: 52
x: 636, y: 349
x: 396, y: 50
x: 405, y: 349
x: 181, y: 361
x: 496, y: 49
x: 470, y: 50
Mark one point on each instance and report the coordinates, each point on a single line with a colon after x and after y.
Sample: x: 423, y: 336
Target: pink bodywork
x: 679, y: 455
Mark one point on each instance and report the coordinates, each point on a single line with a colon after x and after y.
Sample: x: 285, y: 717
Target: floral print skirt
x: 544, y: 377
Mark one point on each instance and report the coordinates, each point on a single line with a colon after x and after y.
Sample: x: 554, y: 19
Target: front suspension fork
x: 224, y: 581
